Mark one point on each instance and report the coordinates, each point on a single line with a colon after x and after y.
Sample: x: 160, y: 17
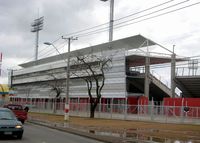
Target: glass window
x: 6, y: 115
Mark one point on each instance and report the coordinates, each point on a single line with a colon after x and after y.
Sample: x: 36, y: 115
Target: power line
x: 90, y: 28
x: 154, y: 12
x: 119, y: 25
x: 51, y: 51
x: 39, y: 52
x: 144, y: 10
x: 100, y: 30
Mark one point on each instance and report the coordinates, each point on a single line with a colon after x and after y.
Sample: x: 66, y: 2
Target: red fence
x: 190, y: 106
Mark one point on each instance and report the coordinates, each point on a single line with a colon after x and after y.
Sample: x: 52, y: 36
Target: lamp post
x: 67, y: 101
x: 66, y: 112
x: 51, y: 44
x: 111, y: 19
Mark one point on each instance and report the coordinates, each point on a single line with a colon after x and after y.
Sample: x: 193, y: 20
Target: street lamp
x: 51, y: 44
x: 66, y: 113
x: 111, y: 19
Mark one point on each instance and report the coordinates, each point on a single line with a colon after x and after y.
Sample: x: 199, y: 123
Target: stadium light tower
x: 37, y: 25
x: 111, y: 19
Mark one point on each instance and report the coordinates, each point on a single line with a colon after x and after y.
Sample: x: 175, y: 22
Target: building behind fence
x: 157, y: 113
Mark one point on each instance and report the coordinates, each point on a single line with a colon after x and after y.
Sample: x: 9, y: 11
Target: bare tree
x: 92, y: 68
x: 28, y: 91
x: 57, y: 88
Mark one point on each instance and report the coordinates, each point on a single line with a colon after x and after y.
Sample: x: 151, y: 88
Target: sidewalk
x: 117, y: 131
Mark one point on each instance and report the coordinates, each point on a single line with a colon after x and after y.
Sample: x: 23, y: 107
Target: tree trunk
x: 93, y: 105
x: 92, y: 109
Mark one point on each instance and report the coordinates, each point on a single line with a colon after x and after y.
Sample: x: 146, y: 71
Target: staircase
x: 138, y: 73
x: 160, y: 84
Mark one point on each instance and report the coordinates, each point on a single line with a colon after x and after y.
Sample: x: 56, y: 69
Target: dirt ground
x: 183, y: 132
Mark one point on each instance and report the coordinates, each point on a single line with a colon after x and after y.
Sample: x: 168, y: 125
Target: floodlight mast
x: 37, y: 25
x: 111, y: 19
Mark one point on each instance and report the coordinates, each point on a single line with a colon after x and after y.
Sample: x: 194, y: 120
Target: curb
x: 106, y: 139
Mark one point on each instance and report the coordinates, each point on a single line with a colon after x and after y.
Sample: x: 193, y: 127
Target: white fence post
x: 166, y: 113
x: 152, y: 109
x: 111, y: 108
x: 121, y: 111
x: 100, y: 108
x: 125, y: 109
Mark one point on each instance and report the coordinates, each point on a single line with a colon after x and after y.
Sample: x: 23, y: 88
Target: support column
x: 125, y: 108
x: 173, y: 66
x: 147, y: 71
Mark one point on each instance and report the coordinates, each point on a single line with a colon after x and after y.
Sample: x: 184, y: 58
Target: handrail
x: 150, y: 54
x: 186, y: 71
x: 141, y: 70
x: 160, y: 78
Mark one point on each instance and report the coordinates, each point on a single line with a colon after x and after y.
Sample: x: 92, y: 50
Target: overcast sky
x: 61, y: 17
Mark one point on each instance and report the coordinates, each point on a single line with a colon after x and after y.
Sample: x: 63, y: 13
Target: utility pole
x: 37, y: 25
x: 67, y: 99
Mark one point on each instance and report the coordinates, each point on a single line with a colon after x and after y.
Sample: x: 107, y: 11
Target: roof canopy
x: 139, y: 60
x: 129, y: 43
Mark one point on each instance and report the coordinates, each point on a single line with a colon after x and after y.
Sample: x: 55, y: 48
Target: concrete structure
x: 188, y: 78
x: 126, y: 79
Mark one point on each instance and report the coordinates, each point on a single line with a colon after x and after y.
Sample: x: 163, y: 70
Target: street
x: 39, y: 134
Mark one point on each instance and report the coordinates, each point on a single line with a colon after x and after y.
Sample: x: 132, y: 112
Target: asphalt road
x: 40, y: 134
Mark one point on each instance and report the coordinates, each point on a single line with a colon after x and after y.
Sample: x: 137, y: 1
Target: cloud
x: 62, y: 17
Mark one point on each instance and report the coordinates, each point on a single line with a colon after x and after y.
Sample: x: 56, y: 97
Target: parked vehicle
x: 19, y: 111
x: 9, y: 125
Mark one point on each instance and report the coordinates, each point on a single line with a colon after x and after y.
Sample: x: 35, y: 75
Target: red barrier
x: 191, y: 102
x: 135, y: 101
x: 186, y: 106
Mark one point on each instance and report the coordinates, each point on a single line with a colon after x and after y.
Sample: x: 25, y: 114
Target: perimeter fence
x: 157, y: 113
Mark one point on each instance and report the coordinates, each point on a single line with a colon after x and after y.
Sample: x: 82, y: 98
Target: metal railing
x: 185, y: 71
x: 165, y: 114
x: 141, y: 70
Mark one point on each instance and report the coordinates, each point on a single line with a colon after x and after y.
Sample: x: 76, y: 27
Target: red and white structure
x: 125, y: 82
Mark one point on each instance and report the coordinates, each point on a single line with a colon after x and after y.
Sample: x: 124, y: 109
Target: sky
x: 62, y: 17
